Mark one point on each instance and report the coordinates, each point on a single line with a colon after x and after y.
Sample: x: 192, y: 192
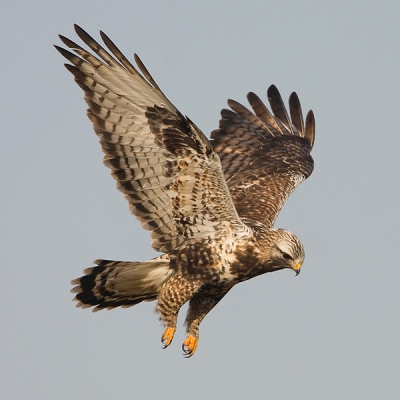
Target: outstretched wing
x: 264, y: 156
x: 164, y: 165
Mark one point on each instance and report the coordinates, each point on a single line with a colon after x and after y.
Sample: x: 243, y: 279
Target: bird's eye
x: 287, y: 256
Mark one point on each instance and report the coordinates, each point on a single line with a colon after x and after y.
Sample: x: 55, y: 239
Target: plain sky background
x: 331, y: 333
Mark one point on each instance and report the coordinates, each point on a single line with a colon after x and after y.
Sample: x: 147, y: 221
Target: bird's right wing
x: 164, y: 165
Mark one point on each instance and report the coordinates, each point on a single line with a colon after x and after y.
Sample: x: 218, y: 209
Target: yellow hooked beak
x: 297, y: 268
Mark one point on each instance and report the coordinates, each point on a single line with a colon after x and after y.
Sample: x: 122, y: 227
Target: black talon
x: 186, y: 352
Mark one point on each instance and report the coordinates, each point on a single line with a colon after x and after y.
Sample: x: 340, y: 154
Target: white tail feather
x: 113, y: 284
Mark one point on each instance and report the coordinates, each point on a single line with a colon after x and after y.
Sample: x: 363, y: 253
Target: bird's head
x: 285, y: 250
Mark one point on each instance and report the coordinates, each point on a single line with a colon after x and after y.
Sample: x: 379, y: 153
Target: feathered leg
x: 173, y: 295
x: 199, y: 306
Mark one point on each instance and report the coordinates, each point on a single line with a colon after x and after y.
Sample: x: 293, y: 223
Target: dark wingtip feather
x: 65, y: 53
x: 272, y: 90
x: 295, y: 113
x: 80, y: 31
x: 71, y: 68
x: 309, y: 133
x: 58, y: 48
x: 69, y: 43
x: 145, y: 72
x: 117, y: 53
x: 237, y: 107
x: 278, y: 106
x: 86, y: 38
x: 263, y: 113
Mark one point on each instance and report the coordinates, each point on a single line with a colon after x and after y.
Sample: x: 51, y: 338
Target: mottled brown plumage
x: 210, y: 206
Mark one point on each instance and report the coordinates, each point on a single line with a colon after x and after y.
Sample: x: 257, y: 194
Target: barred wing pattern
x: 264, y: 156
x: 164, y: 165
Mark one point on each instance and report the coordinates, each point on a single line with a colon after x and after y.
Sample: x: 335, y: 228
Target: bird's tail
x: 113, y: 284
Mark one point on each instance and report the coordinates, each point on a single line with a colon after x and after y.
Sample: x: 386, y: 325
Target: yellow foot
x: 167, y: 337
x: 189, y: 346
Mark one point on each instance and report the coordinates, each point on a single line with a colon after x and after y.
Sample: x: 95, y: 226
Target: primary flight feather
x: 209, y: 205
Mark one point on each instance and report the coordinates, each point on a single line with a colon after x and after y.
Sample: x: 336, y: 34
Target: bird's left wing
x: 264, y: 155
x: 164, y: 165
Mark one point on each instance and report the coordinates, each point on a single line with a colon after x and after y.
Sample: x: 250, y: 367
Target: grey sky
x: 331, y: 333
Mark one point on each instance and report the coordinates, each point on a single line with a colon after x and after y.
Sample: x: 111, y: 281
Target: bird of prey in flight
x: 210, y: 205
